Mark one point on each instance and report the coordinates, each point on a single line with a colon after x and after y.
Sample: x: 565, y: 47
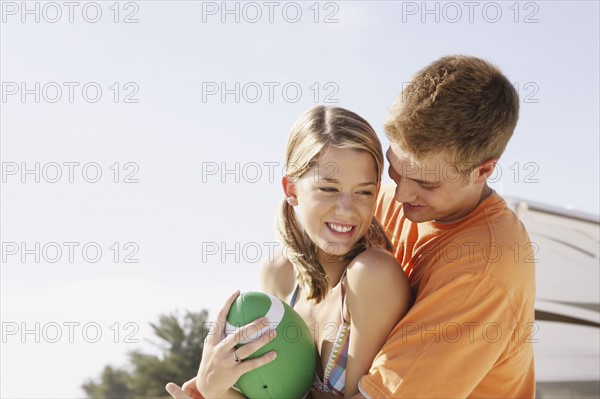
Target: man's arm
x: 460, y: 326
x: 378, y: 296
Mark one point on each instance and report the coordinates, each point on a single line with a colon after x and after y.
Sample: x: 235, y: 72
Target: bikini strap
x: 294, y: 295
x: 342, y: 295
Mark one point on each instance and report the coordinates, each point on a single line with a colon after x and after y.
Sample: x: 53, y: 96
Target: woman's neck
x: 334, y: 267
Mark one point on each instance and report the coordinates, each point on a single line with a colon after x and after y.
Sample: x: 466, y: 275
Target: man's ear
x: 289, y: 189
x: 485, y: 170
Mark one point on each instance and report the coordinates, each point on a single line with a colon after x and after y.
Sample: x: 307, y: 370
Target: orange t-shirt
x: 471, y: 328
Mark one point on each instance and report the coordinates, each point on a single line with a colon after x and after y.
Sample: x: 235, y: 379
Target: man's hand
x: 178, y: 393
x: 222, y: 364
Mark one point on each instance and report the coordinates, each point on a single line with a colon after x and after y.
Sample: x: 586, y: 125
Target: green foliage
x: 114, y: 384
x: 181, y: 344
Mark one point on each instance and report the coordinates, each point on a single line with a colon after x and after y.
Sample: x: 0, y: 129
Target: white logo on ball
x: 274, y: 315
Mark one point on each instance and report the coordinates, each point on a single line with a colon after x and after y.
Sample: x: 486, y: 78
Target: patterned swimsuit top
x: 334, y: 377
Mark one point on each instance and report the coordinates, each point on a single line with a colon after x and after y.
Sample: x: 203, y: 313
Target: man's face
x: 432, y: 188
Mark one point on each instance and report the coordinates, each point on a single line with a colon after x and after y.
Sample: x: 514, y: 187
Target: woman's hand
x: 222, y: 364
x: 184, y: 392
x: 189, y: 391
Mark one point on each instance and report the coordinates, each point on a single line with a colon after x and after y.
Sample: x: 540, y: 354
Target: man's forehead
x: 431, y: 169
x: 397, y: 155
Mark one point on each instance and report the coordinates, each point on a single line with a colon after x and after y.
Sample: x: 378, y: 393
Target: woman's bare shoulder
x: 376, y: 267
x: 277, y: 275
x: 377, y: 260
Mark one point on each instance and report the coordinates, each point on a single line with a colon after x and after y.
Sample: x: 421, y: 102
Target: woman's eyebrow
x: 332, y: 180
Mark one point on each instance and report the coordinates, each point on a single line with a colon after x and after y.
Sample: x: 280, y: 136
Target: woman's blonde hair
x: 313, y: 133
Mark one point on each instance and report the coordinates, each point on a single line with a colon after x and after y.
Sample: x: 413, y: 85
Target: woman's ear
x: 289, y: 189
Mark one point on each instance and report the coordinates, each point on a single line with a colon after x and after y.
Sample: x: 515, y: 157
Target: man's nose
x: 406, y: 191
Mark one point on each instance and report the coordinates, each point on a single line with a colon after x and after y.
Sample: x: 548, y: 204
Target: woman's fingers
x: 252, y: 364
x: 189, y: 387
x: 251, y: 332
x: 219, y: 333
x: 176, y: 392
x: 248, y: 349
x: 221, y: 364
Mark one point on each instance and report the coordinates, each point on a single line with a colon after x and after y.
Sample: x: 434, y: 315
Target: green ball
x: 292, y: 373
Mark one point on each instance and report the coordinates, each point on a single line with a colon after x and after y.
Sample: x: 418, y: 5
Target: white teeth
x: 340, y: 229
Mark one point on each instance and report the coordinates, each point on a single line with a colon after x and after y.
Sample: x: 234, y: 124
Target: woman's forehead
x: 345, y: 164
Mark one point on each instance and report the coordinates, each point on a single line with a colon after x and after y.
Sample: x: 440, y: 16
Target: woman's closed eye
x: 366, y: 192
x: 328, y: 189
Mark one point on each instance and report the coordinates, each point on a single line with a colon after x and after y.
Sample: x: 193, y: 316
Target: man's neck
x: 486, y: 192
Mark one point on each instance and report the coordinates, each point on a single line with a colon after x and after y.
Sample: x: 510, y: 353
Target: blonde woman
x: 335, y: 269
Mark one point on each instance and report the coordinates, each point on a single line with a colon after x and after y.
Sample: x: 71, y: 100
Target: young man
x: 468, y: 258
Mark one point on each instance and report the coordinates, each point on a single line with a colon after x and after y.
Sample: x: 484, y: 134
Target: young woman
x: 334, y: 268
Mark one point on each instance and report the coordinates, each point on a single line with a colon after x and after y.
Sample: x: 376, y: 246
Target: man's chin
x: 418, y: 214
x: 418, y: 218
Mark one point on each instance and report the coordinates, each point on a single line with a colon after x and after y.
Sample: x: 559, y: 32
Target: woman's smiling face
x: 336, y: 199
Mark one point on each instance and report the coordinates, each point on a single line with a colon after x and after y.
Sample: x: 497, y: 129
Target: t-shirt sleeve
x: 385, y: 203
x: 460, y: 326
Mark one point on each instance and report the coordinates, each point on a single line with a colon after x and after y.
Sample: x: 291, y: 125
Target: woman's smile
x: 340, y: 229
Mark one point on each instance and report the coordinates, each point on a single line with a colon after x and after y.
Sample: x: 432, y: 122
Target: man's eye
x: 428, y: 188
x: 368, y: 193
x: 328, y: 189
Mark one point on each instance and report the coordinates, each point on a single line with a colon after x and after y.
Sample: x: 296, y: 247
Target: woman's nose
x: 344, y: 204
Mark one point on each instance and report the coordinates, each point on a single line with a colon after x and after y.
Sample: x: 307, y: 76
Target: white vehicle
x: 567, y: 310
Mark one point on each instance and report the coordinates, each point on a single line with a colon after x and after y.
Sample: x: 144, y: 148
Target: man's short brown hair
x: 459, y: 104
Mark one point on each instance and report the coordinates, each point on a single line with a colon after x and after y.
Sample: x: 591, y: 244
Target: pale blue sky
x: 175, y: 212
